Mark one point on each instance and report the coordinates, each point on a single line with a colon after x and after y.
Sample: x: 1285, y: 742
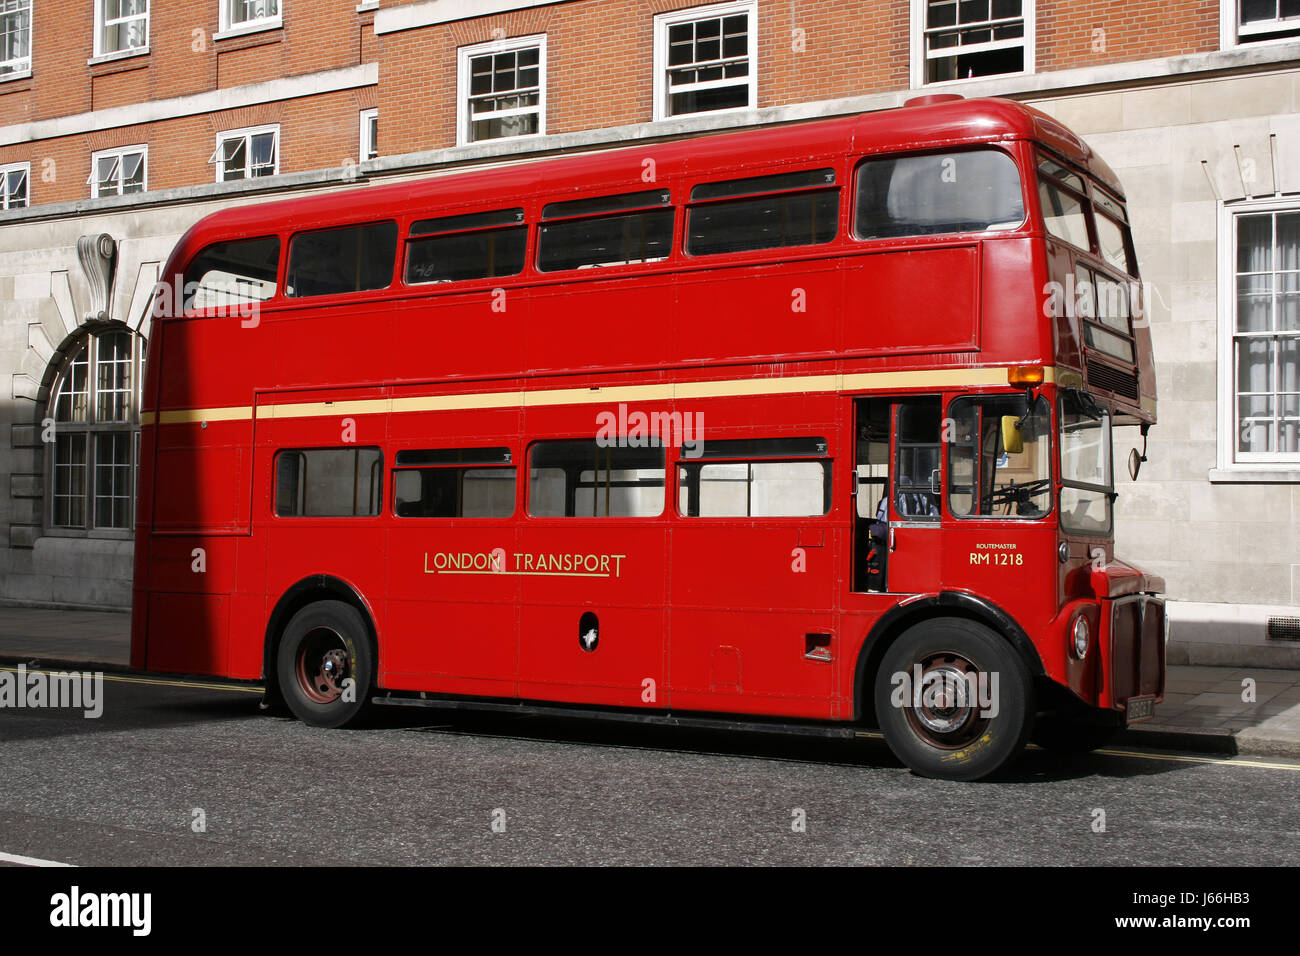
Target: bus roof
x: 925, y: 125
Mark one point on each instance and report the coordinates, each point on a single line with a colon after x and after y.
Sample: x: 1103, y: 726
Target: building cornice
x: 153, y: 111
x: 432, y: 12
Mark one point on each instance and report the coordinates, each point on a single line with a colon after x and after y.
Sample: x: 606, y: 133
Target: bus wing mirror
x: 1135, y: 457
x: 1013, y: 442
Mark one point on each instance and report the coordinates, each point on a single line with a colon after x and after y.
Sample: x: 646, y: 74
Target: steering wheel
x: 1017, y: 494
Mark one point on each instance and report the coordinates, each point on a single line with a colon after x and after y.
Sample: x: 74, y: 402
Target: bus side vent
x: 1113, y: 380
x: 1284, y: 628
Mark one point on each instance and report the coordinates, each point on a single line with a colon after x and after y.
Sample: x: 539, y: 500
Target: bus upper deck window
x: 347, y: 259
x: 473, y: 246
x: 229, y: 273
x: 606, y: 231
x: 974, y: 190
x: 1110, y: 239
x: 1061, y: 194
x: 763, y: 212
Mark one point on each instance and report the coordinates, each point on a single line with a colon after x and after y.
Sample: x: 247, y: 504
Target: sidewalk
x: 1203, y: 708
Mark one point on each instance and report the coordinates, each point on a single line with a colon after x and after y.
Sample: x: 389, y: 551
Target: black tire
x: 324, y: 645
x: 951, y: 735
x: 1065, y: 734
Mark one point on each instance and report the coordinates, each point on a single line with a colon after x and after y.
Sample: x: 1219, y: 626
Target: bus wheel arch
x: 311, y: 590
x: 902, y: 617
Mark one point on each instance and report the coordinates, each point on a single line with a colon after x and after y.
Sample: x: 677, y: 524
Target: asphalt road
x: 132, y: 787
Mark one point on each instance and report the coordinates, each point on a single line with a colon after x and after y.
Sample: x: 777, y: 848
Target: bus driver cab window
x: 917, y: 464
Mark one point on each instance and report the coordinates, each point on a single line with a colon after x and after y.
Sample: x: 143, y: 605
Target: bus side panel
x: 483, y: 330
x: 754, y: 598
x: 611, y: 568
x: 625, y: 595
x: 249, y: 607
x: 606, y: 323
x: 204, y: 470
x: 192, y: 633
x: 191, y: 579
x: 923, y: 300
x: 756, y: 314
x: 453, y: 616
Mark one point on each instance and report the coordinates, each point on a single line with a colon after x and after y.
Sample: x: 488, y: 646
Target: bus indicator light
x: 1025, y: 375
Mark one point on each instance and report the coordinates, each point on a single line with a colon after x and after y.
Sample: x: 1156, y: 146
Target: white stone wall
x: 1214, y: 541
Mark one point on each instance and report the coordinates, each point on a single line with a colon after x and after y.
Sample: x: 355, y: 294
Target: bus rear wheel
x: 325, y: 666
x: 954, y: 700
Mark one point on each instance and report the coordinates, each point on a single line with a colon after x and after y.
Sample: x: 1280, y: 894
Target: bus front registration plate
x: 1141, y: 708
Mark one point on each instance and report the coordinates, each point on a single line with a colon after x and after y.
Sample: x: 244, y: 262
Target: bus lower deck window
x: 583, y: 479
x: 754, y: 489
x: 328, y: 482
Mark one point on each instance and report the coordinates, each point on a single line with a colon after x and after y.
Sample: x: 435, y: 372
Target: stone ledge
x: 24, y: 535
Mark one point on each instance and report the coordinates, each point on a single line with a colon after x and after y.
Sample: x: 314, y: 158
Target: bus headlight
x: 1080, y: 637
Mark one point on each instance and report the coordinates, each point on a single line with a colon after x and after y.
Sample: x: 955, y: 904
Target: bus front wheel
x: 325, y: 666
x: 954, y: 700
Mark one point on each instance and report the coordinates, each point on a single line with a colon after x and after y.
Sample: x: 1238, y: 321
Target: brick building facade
x: 134, y: 118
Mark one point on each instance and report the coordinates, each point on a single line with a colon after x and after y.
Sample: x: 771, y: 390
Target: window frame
x: 1050, y: 452
x: 5, y: 170
x: 411, y: 239
x: 562, y: 213
x: 369, y: 144
x: 917, y: 46
x: 1083, y: 192
x: 854, y: 189
x: 484, y: 462
x: 663, y: 22
x: 681, y: 463
x: 91, y: 428
x: 101, y: 32
x: 21, y: 66
x: 246, y: 134
x: 464, y: 57
x: 228, y: 26
x: 120, y: 153
x: 528, y: 480
x: 689, y: 204
x: 302, y: 450
x: 285, y: 268
x: 1230, y: 36
x: 1274, y: 465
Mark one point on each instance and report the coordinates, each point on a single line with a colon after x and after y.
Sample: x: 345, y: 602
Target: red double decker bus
x: 809, y: 426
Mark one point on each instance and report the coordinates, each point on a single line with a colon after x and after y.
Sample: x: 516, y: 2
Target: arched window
x: 96, y: 413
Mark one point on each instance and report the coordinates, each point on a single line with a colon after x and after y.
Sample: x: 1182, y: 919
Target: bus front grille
x: 1113, y: 380
x: 1137, y: 647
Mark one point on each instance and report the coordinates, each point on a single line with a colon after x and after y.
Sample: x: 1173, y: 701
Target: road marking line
x: 152, y: 680
x: 29, y: 860
x: 1183, y: 758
